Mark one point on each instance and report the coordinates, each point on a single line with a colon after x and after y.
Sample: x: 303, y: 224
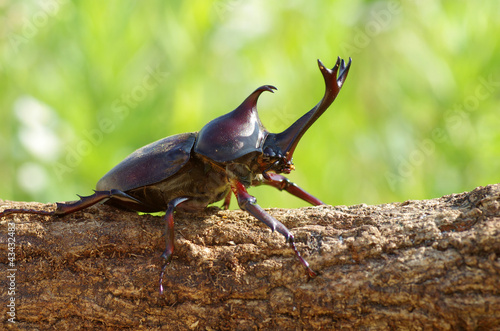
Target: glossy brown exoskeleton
x: 189, y: 171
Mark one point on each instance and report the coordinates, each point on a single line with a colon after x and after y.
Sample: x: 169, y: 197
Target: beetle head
x: 278, y: 148
x: 235, y: 134
x: 240, y: 132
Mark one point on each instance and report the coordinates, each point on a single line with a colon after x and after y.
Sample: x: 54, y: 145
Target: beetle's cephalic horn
x: 287, y: 140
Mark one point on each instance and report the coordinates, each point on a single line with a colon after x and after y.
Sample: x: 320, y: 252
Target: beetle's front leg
x: 248, y: 203
x: 282, y: 183
x: 169, y: 235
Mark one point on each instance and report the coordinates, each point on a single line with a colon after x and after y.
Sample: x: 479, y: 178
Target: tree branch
x: 417, y: 264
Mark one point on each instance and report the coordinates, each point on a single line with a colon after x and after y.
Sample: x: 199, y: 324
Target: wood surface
x: 415, y: 265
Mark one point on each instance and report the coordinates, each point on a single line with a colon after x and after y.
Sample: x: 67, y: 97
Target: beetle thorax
x: 242, y: 172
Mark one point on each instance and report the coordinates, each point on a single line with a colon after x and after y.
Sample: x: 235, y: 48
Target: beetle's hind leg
x: 248, y: 203
x: 64, y: 208
x: 98, y: 196
x: 169, y: 235
x: 282, y: 183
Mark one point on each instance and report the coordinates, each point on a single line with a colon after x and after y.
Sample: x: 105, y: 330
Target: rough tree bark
x: 431, y: 264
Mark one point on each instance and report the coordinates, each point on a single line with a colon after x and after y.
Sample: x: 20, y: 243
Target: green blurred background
x: 85, y: 83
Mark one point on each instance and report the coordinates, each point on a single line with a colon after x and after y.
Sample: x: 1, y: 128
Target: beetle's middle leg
x: 169, y: 235
x: 282, y: 183
x: 248, y: 203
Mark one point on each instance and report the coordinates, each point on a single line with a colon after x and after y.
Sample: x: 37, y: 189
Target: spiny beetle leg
x: 248, y: 203
x: 282, y: 183
x: 71, y: 207
x: 169, y: 235
x: 98, y: 196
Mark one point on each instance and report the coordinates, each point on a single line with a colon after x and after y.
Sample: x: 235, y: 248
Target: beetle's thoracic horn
x: 287, y: 140
x: 234, y: 134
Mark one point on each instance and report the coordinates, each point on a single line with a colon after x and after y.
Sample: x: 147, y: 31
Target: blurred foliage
x: 85, y: 83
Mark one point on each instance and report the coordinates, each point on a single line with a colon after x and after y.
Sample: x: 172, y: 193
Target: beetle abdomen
x: 197, y: 181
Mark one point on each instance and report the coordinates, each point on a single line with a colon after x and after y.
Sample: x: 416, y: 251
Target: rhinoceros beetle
x: 189, y: 171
